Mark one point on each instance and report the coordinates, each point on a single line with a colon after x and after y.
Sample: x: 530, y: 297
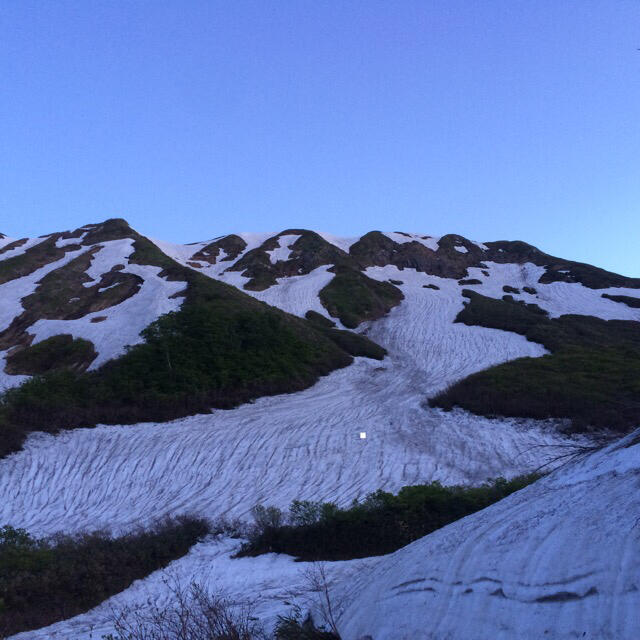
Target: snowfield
x: 304, y: 445
x: 560, y: 559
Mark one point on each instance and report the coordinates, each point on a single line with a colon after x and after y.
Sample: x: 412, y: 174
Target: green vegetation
x: 57, y: 352
x: 217, y: 351
x: 509, y: 289
x: 46, y: 580
x: 354, y: 344
x: 380, y: 524
x: 592, y: 376
x: 630, y: 301
x: 318, y: 320
x: 353, y: 297
x: 220, y: 349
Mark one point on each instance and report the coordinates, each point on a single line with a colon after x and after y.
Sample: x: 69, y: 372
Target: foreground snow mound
x: 559, y: 559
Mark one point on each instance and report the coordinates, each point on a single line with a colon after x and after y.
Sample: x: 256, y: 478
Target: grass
x: 46, y: 580
x: 380, y: 524
x: 354, y: 298
x: 58, y: 352
x: 591, y: 377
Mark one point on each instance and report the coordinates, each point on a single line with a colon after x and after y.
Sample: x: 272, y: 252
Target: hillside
x: 147, y: 379
x: 117, y: 332
x: 558, y: 559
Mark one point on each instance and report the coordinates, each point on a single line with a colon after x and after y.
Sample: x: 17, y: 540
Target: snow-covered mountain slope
x: 307, y: 445
x: 557, y: 285
x: 303, y: 445
x: 81, y: 284
x: 559, y: 559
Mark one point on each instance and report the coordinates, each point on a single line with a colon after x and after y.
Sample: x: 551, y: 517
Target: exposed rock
x: 377, y: 249
x: 232, y: 246
x: 308, y: 252
x: 556, y: 269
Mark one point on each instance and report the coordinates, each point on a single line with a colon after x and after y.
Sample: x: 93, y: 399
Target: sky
x: 499, y: 119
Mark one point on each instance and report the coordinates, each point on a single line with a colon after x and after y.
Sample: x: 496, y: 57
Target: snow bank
x: 559, y: 559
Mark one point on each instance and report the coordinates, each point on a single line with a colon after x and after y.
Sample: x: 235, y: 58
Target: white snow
x: 254, y: 240
x: 558, y: 298
x: 110, y: 254
x: 282, y: 253
x: 180, y: 252
x: 430, y: 242
x: 272, y: 583
x: 461, y: 249
x: 124, y: 321
x: 11, y: 294
x: 31, y: 242
x: 64, y: 242
x: 297, y: 294
x: 340, y: 242
x: 560, y: 559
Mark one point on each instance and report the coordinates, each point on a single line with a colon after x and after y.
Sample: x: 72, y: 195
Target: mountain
x: 145, y: 378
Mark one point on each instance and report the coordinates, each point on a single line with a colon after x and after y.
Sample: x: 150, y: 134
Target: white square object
x: 363, y: 435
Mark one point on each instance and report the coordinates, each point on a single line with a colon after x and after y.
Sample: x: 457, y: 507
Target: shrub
x: 380, y: 524
x: 193, y: 614
x: 353, y: 297
x: 592, y: 376
x: 49, y: 579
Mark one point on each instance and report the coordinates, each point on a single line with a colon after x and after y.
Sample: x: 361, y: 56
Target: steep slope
x: 82, y: 298
x: 559, y: 387
x: 558, y: 559
x: 221, y: 345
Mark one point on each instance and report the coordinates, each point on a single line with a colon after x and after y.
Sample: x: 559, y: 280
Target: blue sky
x: 497, y: 119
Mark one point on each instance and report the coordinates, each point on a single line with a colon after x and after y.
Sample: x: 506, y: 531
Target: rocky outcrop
x: 308, y: 252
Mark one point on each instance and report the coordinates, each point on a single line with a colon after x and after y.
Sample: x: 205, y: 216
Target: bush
x: 46, y: 580
x: 381, y: 523
x: 296, y: 627
x: 353, y: 297
x: 592, y: 376
x: 193, y: 614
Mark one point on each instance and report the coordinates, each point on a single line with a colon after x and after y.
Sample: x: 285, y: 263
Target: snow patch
x: 31, y: 242
x: 431, y: 242
x: 342, y: 243
x: 283, y: 251
x: 125, y: 321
